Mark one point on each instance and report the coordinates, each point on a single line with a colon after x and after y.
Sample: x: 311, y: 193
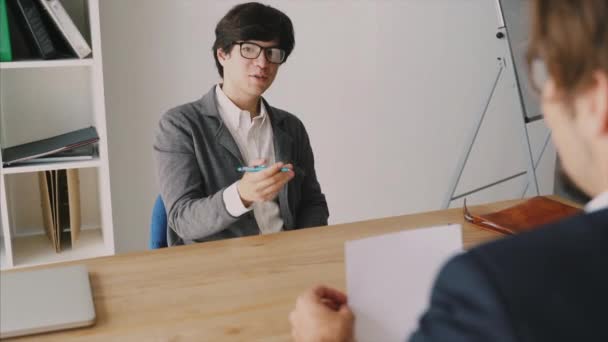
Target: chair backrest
x: 158, y: 225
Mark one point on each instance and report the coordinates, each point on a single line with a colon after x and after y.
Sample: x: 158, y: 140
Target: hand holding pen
x: 263, y: 183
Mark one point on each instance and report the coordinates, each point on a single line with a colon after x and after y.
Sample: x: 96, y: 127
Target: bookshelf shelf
x: 51, y: 166
x: 46, y: 98
x: 56, y: 63
x: 36, y: 249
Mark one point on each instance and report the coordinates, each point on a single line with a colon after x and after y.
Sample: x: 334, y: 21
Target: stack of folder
x: 71, y: 146
x: 60, y: 200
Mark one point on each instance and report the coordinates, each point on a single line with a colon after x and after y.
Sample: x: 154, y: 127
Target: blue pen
x: 258, y: 168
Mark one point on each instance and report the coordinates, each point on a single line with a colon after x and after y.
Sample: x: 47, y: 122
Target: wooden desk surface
x: 237, y: 289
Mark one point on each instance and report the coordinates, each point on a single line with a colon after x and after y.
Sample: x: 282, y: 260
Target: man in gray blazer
x: 201, y: 146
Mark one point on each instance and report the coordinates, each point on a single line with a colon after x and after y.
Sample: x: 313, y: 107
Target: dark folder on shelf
x: 20, y: 42
x: 87, y: 152
x: 30, y: 19
x: 45, y: 147
x: 33, y: 32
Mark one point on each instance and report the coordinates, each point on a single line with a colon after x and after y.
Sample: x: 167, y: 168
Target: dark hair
x: 252, y: 21
x: 571, y: 37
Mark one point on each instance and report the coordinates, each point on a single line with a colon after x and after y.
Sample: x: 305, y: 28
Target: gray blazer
x: 197, y: 159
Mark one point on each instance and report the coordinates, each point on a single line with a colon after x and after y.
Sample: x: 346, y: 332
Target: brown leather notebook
x: 530, y: 214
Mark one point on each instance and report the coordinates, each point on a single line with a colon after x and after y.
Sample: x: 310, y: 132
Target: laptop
x: 45, y: 300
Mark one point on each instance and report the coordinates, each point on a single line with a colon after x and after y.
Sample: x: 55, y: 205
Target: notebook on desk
x: 530, y: 214
x: 45, y: 300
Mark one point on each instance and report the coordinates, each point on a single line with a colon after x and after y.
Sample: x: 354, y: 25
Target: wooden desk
x: 238, y: 289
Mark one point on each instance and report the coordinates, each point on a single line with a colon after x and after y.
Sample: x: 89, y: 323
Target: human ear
x: 222, y: 56
x: 598, y: 98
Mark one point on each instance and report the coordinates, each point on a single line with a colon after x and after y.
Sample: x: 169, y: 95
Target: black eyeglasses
x: 251, y: 50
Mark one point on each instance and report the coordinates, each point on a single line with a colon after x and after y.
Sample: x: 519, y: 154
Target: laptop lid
x: 45, y: 300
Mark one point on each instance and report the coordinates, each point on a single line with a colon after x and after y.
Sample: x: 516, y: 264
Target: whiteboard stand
x: 525, y: 138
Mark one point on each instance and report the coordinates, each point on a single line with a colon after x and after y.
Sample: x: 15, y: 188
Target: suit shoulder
x: 288, y: 117
x: 580, y: 232
x: 555, y: 273
x: 462, y: 267
x: 464, y: 306
x: 182, y: 112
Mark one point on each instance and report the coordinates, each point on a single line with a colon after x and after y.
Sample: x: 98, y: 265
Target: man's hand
x: 263, y: 185
x: 322, y: 314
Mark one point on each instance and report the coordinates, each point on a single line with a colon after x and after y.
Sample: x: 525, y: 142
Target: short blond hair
x: 571, y: 37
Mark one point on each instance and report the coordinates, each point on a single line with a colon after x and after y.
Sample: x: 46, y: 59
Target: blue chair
x: 158, y: 225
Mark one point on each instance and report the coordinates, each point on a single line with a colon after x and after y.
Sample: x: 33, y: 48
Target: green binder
x: 6, y: 55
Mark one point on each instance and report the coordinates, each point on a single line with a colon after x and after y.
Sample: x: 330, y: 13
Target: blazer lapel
x: 209, y: 108
x: 283, y: 150
x: 225, y: 139
x: 282, y: 145
x: 283, y: 142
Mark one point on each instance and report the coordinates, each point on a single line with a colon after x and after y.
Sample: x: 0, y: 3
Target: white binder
x: 67, y: 28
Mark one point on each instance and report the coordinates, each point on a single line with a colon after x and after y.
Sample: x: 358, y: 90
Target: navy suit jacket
x: 550, y: 284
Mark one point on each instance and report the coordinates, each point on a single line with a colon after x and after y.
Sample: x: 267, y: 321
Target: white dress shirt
x: 254, y: 139
x: 598, y: 203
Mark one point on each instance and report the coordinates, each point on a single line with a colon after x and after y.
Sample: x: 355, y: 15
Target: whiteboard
x: 516, y: 20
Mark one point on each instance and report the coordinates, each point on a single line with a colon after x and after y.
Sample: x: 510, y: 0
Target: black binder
x: 33, y: 35
x: 30, y: 18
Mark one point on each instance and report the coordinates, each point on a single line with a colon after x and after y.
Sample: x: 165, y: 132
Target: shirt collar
x: 598, y: 203
x: 231, y: 113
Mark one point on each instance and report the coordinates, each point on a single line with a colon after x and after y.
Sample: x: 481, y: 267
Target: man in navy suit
x: 550, y: 284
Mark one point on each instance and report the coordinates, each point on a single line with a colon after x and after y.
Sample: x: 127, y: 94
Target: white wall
x: 387, y: 90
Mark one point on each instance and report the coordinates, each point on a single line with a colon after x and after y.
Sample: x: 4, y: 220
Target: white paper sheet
x: 390, y: 278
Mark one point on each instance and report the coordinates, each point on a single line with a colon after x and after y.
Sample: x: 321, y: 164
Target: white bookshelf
x: 40, y: 99
x: 3, y: 264
x: 35, y: 249
x: 95, y: 162
x: 57, y: 63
